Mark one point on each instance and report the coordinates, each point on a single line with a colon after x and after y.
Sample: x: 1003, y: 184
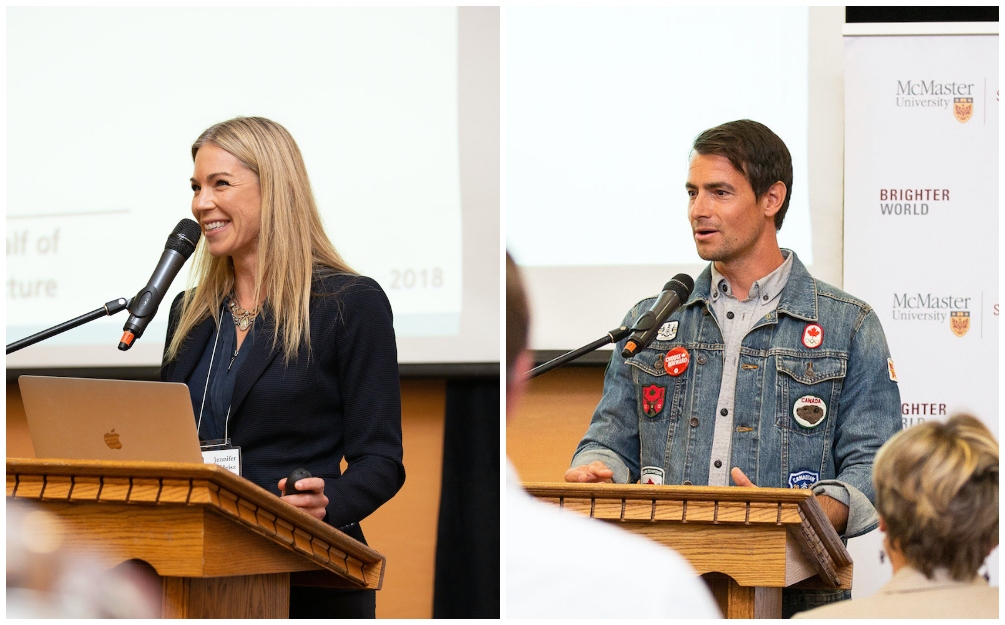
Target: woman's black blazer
x: 340, y: 400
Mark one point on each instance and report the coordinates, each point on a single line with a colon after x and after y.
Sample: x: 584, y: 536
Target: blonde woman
x: 937, y: 499
x: 288, y: 354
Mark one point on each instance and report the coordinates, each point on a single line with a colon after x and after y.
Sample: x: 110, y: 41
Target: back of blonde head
x: 292, y: 244
x: 937, y: 490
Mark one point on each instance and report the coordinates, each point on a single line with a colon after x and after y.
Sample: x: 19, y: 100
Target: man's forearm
x: 836, y: 511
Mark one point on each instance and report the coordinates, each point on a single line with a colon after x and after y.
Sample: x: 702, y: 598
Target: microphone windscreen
x: 682, y: 285
x: 184, y: 237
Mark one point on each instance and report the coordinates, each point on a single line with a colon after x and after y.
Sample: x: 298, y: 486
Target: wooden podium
x: 223, y: 547
x: 748, y: 543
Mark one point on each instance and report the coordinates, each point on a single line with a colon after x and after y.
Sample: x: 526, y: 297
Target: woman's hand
x: 313, y: 502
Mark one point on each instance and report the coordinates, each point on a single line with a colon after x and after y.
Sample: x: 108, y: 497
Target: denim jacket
x: 649, y: 418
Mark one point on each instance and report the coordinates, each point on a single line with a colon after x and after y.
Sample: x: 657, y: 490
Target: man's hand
x: 596, y: 471
x: 836, y: 511
x: 740, y: 479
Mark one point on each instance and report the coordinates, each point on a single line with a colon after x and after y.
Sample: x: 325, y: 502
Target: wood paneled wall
x: 549, y: 422
x: 404, y: 529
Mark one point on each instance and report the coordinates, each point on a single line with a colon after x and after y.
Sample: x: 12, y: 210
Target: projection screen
x: 395, y: 111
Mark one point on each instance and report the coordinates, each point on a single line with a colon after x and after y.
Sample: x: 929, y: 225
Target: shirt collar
x: 798, y: 299
x: 765, y: 289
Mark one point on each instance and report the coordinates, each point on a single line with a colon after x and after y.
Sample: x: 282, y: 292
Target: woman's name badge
x: 221, y: 453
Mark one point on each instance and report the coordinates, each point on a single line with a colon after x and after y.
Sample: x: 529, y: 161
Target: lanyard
x: 212, y: 357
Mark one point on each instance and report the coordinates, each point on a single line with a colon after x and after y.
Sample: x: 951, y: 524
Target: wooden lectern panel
x: 748, y: 543
x: 752, y: 555
x: 181, y: 505
x: 223, y: 547
x: 248, y: 596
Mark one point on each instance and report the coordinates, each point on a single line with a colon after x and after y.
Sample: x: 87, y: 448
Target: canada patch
x: 652, y: 475
x: 803, y: 479
x: 809, y: 411
x: 652, y: 399
x: 667, y: 332
x: 813, y: 335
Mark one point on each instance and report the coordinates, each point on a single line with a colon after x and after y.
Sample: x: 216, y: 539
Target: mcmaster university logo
x: 931, y: 307
x: 959, y: 322
x: 963, y: 109
x: 934, y: 94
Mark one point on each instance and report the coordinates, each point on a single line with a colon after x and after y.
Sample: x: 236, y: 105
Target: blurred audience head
x: 937, y: 495
x: 46, y: 578
x: 518, y: 360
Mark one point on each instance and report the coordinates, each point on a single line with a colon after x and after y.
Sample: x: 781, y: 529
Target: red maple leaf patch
x: 813, y: 336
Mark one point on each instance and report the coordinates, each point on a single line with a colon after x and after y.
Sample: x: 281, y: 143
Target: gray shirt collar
x: 767, y: 288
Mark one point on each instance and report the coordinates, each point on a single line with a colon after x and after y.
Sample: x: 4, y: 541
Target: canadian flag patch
x: 813, y: 336
x: 652, y: 476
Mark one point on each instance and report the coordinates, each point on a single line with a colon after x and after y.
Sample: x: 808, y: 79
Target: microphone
x: 143, y: 307
x: 648, y: 325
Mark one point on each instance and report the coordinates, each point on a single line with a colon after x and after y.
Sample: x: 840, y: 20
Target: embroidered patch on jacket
x: 813, y: 335
x: 809, y: 411
x: 889, y: 365
x: 652, y: 475
x: 652, y: 399
x: 803, y: 479
x: 667, y: 332
x: 676, y: 361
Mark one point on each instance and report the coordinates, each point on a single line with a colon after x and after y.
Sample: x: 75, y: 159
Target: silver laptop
x: 87, y: 419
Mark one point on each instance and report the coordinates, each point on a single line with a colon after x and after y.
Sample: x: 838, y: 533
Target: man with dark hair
x: 548, y: 550
x: 765, y: 376
x: 752, y: 149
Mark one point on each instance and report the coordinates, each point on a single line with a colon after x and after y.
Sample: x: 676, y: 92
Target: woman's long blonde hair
x: 292, y: 243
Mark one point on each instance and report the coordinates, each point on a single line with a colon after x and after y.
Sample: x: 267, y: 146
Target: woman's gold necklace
x: 242, y: 318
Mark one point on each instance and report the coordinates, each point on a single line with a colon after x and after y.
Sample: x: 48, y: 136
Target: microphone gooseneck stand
x: 613, y: 336
x: 646, y: 327
x: 107, y: 310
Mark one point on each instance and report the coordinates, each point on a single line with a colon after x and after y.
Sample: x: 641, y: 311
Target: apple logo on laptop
x: 112, y: 440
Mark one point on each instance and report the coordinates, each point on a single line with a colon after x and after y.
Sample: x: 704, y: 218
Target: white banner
x: 921, y: 226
